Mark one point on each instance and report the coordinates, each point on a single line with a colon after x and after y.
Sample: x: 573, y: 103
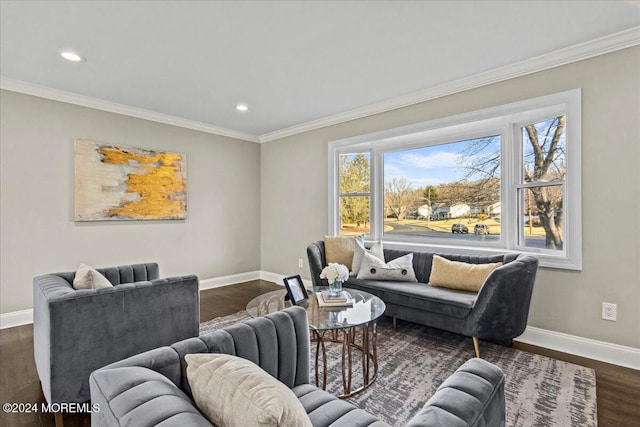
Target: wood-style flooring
x: 618, y: 388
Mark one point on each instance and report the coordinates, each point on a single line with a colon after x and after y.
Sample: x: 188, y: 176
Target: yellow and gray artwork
x: 124, y: 183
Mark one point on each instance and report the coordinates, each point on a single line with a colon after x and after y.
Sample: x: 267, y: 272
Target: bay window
x: 501, y: 179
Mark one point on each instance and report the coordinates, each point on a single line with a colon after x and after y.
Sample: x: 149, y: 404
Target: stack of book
x: 343, y: 299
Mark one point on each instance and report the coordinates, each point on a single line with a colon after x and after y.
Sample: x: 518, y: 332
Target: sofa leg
x: 58, y: 416
x: 476, y: 346
x: 395, y: 323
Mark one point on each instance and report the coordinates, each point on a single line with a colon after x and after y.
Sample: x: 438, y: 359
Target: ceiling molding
x: 112, y: 107
x: 579, y: 52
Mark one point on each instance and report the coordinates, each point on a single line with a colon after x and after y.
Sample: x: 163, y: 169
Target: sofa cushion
x: 399, y: 269
x: 419, y: 296
x: 232, y: 391
x: 339, y: 249
x: 89, y: 278
x: 460, y: 275
x: 325, y: 409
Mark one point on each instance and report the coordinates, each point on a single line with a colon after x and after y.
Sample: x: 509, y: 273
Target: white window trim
x: 501, y: 120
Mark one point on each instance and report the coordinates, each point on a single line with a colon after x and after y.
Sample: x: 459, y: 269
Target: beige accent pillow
x: 89, y: 278
x: 340, y: 249
x: 232, y: 391
x: 359, y: 251
x: 399, y: 269
x: 459, y: 275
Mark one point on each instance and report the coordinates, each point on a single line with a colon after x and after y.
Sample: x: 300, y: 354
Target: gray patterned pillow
x: 399, y: 269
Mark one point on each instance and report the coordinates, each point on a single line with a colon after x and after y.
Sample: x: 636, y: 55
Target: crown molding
x: 603, y: 45
x: 112, y: 107
x: 600, y: 46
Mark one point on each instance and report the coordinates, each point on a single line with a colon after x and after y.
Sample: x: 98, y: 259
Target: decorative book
x: 327, y: 300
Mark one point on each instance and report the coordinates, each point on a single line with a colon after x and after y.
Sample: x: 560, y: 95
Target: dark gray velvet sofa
x: 151, y: 389
x: 78, y: 331
x: 498, y: 312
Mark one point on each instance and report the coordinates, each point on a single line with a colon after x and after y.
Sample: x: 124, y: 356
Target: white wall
x: 38, y: 235
x: 294, y: 191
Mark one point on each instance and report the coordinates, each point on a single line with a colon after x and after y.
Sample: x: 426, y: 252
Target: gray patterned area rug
x: 414, y: 360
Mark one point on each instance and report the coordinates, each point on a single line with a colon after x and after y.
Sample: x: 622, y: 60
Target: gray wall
x: 219, y: 237
x: 294, y: 191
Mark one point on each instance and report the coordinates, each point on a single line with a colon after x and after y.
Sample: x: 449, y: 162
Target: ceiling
x: 291, y: 62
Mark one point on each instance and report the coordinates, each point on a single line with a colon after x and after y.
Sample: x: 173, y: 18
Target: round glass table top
x: 366, y: 308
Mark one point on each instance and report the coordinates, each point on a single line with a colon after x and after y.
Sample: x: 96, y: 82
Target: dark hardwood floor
x: 618, y: 388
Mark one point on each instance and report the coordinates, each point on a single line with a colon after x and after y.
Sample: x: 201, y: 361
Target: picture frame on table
x: 296, y: 292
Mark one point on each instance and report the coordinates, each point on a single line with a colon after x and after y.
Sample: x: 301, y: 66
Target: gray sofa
x: 151, y: 389
x: 78, y: 331
x: 498, y: 312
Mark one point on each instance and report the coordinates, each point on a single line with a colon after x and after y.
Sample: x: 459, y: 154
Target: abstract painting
x: 123, y: 183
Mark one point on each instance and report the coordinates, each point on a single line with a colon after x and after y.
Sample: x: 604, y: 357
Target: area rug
x: 414, y: 360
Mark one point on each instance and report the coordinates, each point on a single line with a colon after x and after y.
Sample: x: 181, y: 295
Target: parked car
x: 459, y: 228
x: 481, y: 229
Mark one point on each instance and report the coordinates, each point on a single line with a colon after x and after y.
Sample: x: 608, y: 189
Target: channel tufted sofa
x: 498, y: 312
x: 151, y: 389
x: 78, y: 331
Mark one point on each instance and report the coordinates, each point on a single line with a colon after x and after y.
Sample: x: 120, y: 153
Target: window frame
x: 504, y: 120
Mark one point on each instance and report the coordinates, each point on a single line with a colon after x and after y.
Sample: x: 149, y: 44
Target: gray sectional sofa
x: 498, y: 312
x: 78, y: 331
x: 151, y: 388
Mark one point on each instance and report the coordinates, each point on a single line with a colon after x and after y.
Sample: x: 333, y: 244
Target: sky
x: 433, y: 165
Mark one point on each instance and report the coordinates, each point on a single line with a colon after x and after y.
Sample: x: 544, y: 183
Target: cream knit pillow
x: 89, y: 278
x: 234, y: 392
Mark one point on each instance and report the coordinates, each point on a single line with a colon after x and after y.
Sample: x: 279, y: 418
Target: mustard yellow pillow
x: 340, y: 249
x: 234, y: 392
x: 459, y: 275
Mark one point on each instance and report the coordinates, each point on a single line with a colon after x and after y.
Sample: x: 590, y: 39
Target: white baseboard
x: 233, y: 279
x: 16, y: 318
x: 584, y: 347
x: 566, y: 343
x: 277, y: 279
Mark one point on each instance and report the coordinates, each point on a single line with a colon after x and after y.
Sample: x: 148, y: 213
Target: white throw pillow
x: 359, y: 251
x: 234, y: 392
x: 399, y: 269
x: 89, y: 278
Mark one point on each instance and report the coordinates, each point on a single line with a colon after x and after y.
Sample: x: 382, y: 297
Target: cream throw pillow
x: 340, y: 249
x: 89, y: 278
x: 358, y: 254
x: 459, y: 275
x: 232, y: 391
x: 399, y: 269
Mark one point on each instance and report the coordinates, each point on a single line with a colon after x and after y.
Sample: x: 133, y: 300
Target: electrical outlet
x: 300, y: 263
x: 609, y: 311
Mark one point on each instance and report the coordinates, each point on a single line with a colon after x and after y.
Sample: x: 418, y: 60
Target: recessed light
x: 72, y: 56
x: 242, y: 107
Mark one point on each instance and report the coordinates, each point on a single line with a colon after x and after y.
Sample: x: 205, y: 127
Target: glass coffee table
x: 355, y: 328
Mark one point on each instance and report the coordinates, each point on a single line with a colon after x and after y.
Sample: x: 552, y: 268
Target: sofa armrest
x: 140, y: 396
x: 105, y: 325
x: 472, y: 396
x: 502, y: 307
x: 317, y: 261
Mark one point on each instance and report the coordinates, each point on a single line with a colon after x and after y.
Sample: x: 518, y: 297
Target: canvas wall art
x: 124, y: 183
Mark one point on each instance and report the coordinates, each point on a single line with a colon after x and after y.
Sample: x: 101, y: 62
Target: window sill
x: 546, y: 260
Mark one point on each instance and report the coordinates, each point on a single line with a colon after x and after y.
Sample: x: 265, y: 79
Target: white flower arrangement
x: 335, y: 271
